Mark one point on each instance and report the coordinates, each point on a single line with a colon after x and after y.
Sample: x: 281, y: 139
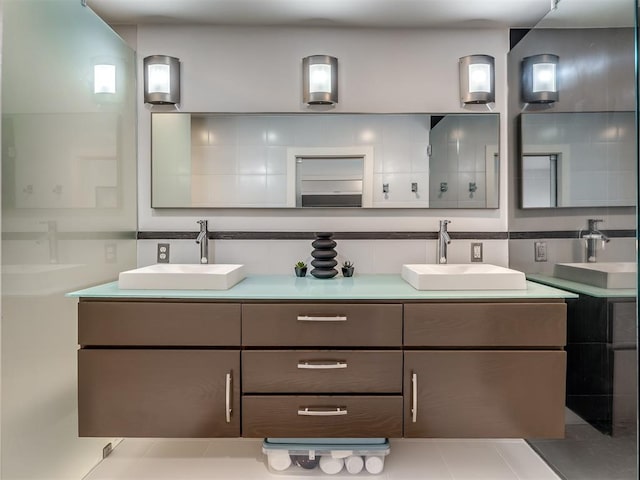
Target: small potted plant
x: 347, y: 269
x: 301, y: 269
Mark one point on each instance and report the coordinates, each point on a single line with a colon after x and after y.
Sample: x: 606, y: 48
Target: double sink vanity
x: 366, y: 356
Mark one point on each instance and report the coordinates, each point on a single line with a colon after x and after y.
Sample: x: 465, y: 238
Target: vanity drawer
x: 319, y: 324
x: 321, y: 371
x: 321, y: 416
x: 158, y: 323
x: 485, y: 324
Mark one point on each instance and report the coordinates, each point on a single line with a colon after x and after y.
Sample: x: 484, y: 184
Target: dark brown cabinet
x: 199, y: 368
x: 158, y: 393
x: 347, y: 386
x: 488, y: 394
x: 458, y: 384
x: 149, y: 368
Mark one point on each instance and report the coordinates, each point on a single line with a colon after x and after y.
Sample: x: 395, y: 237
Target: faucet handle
x: 593, y: 223
x: 203, y: 223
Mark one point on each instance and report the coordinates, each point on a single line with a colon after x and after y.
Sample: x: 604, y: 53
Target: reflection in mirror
x: 356, y: 160
x: 465, y: 163
x: 584, y: 159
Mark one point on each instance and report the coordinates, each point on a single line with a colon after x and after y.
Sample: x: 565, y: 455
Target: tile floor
x: 218, y: 459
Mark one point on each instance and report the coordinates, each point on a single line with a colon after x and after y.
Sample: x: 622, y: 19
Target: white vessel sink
x: 174, y: 276
x: 603, y: 275
x: 463, y: 277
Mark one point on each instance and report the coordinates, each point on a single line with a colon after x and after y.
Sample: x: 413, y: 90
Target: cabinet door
x: 484, y: 394
x: 158, y: 393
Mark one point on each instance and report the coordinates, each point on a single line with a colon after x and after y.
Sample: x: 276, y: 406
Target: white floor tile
x: 475, y: 461
x: 416, y: 460
x: 410, y: 459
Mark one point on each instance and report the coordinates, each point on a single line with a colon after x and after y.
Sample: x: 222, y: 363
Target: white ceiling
x: 338, y: 13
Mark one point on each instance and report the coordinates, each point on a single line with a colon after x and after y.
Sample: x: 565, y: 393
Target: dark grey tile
x: 587, y: 454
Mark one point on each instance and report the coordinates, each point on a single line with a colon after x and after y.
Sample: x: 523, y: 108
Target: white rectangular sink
x: 174, y: 276
x: 463, y: 277
x: 603, y: 275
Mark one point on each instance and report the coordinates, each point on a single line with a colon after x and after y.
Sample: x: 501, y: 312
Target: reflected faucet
x: 443, y: 240
x: 203, y: 241
x: 52, y: 239
x: 592, y: 237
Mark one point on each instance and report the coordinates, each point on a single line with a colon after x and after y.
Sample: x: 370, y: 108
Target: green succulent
x: 347, y: 264
x: 301, y: 265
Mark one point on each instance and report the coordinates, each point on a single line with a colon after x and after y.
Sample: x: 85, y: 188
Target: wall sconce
x: 104, y: 79
x: 540, y: 78
x: 477, y: 82
x: 161, y: 80
x: 320, y: 80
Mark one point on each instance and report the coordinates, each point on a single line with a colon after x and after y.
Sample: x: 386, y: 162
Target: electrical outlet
x: 540, y: 251
x: 106, y: 450
x: 163, y: 253
x: 476, y: 252
x: 110, y: 253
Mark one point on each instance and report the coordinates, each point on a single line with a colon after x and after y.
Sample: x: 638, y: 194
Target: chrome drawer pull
x: 321, y: 365
x: 414, y: 397
x: 322, y: 318
x: 323, y: 413
x: 227, y: 406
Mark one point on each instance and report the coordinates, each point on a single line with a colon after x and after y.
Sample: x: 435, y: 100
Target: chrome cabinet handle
x: 331, y: 412
x: 322, y: 318
x: 414, y: 397
x: 322, y: 365
x: 227, y: 406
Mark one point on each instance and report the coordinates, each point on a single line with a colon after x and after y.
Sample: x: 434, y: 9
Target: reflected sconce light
x: 477, y: 79
x: 104, y: 79
x: 540, y: 78
x: 161, y: 80
x: 320, y: 80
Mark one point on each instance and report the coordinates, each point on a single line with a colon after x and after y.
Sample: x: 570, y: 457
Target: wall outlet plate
x: 476, y: 251
x: 540, y: 251
x: 163, y: 253
x: 106, y: 450
x: 110, y: 253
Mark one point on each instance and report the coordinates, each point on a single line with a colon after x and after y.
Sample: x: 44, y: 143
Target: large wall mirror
x: 581, y: 159
x: 324, y: 160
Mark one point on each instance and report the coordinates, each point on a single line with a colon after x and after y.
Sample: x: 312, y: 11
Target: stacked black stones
x: 324, y: 256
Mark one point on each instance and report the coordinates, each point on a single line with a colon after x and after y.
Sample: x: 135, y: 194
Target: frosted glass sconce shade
x: 104, y: 78
x: 477, y: 79
x: 320, y: 80
x: 161, y: 80
x: 540, y: 78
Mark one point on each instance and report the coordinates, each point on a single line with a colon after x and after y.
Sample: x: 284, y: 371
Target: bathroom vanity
x: 279, y: 356
x: 601, y: 354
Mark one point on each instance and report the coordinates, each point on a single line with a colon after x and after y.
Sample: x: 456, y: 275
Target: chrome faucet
x: 203, y: 241
x: 443, y: 240
x: 52, y: 239
x: 592, y: 237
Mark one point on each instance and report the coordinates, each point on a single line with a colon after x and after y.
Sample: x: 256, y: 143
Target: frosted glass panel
x: 68, y: 218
